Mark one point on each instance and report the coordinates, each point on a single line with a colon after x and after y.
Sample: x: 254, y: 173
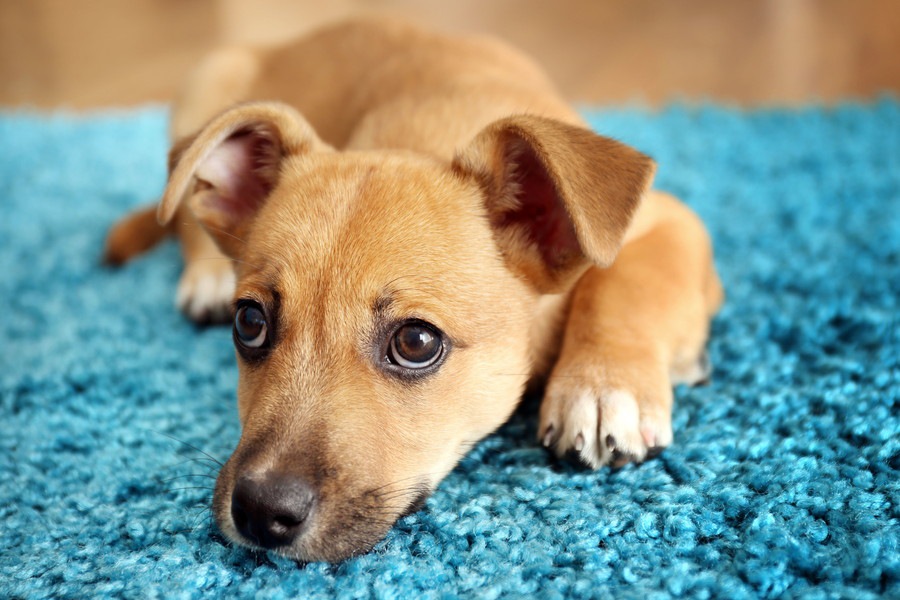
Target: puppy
x: 408, y: 228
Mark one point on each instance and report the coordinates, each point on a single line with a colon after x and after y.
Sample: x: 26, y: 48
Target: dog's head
x: 383, y: 305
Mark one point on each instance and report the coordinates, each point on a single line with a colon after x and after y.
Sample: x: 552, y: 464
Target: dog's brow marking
x: 382, y: 303
x: 412, y: 289
x: 391, y: 290
x: 423, y: 278
x: 276, y: 299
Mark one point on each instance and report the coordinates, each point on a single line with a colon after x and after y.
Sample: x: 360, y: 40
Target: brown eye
x: 250, y: 329
x: 415, y: 346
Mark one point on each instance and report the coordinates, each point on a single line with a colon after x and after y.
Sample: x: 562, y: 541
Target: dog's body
x: 394, y: 297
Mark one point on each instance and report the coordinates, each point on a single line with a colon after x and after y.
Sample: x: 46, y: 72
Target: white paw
x: 205, y: 291
x: 604, y: 425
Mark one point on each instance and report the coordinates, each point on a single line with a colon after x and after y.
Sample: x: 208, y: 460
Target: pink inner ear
x: 541, y: 211
x: 232, y: 171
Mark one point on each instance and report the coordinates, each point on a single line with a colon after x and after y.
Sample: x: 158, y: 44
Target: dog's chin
x: 316, y: 549
x: 331, y: 543
x: 343, y: 532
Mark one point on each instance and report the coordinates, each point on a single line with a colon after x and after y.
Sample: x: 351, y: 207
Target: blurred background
x: 98, y: 53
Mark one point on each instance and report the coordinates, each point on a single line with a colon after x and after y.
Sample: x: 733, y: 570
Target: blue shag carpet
x: 784, y: 480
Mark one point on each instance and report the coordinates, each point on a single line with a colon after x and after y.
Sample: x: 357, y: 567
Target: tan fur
x: 378, y: 173
x: 132, y: 236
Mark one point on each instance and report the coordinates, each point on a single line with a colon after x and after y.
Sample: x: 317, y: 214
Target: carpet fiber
x: 784, y: 480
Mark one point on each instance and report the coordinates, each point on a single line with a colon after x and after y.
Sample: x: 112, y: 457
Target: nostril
x: 241, y: 500
x: 270, y: 509
x: 287, y: 522
x: 238, y: 514
x: 283, y: 526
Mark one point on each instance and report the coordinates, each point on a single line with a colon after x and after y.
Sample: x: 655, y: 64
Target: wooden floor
x: 94, y: 53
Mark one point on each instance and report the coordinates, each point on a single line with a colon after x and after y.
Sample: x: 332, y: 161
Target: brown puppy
x: 408, y: 228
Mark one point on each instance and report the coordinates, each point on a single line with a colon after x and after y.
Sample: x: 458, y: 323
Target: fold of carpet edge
x: 784, y: 479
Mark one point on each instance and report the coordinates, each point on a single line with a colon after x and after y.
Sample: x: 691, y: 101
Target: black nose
x: 269, y: 509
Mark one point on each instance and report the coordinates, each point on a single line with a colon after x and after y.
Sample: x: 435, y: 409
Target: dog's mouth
x: 417, y: 504
x: 287, y: 515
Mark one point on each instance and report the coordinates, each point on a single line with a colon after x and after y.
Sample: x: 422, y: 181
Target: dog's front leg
x: 633, y: 331
x: 206, y: 286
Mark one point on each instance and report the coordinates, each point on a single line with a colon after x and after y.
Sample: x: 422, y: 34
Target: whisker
x: 394, y: 507
x: 191, y: 446
x: 398, y: 496
x: 392, y: 492
x: 216, y: 229
x: 169, y: 479
x: 223, y: 232
x: 381, y: 487
x: 403, y: 490
x: 386, y: 522
x: 199, y: 518
x: 194, y: 487
x: 180, y: 531
x: 195, y: 459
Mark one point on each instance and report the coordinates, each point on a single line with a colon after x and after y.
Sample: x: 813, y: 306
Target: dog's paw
x: 604, y: 419
x: 205, y: 291
x: 697, y: 372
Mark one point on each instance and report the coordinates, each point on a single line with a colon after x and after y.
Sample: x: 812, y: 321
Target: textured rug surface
x: 784, y: 480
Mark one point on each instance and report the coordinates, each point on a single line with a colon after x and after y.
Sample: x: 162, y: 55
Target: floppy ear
x: 229, y: 169
x: 559, y: 197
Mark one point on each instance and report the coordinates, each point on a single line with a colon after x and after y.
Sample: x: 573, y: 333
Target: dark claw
x: 619, y: 459
x: 655, y: 451
x: 611, y: 442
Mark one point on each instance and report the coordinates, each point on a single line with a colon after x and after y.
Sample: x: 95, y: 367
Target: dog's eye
x: 415, y: 345
x: 250, y: 328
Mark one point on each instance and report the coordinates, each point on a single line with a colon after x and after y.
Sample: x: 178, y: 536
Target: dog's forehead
x: 397, y: 225
x: 326, y: 202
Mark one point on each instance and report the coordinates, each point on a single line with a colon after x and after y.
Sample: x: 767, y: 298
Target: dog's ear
x: 229, y: 169
x: 559, y: 197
